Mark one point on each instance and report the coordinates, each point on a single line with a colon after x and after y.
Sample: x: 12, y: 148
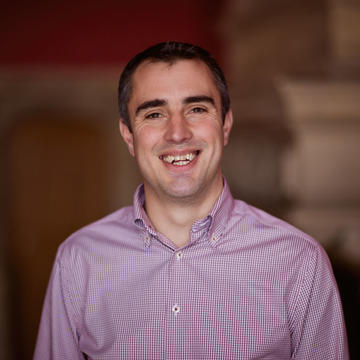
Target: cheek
x: 212, y: 134
x: 144, y: 140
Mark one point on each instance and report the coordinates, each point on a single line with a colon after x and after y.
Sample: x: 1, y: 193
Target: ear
x: 128, y: 136
x: 228, y: 121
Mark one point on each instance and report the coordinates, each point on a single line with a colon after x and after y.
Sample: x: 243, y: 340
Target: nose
x: 178, y: 129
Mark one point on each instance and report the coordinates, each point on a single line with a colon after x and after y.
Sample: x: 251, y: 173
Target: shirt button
x: 176, y: 309
x: 179, y: 255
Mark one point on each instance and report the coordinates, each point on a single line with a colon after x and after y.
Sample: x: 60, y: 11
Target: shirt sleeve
x: 57, y: 337
x: 320, y: 332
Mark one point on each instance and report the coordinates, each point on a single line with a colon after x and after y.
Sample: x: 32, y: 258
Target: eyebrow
x: 200, y: 98
x: 149, y: 104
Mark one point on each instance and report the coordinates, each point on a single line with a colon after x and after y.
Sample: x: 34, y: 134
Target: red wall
x: 106, y: 32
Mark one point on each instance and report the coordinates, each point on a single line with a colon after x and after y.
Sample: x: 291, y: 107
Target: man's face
x: 178, y: 134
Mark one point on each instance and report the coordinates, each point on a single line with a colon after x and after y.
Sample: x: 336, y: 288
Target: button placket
x: 176, y: 309
x: 176, y: 302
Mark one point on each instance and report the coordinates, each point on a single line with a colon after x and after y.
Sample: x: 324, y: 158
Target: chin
x: 183, y: 189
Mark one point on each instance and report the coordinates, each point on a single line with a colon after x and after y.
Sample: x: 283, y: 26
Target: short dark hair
x: 170, y: 52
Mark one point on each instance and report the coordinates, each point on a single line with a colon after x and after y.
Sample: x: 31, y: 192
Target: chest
x: 183, y: 305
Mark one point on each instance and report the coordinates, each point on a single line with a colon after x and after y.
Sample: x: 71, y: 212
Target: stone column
x: 321, y: 171
x: 344, y: 33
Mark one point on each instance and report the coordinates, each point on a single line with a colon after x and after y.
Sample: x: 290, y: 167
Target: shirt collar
x: 220, y: 214
x: 140, y: 216
x: 214, y: 222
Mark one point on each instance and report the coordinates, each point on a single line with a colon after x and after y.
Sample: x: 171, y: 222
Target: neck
x: 174, y: 218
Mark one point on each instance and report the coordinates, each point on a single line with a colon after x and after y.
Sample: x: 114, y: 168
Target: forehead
x: 179, y: 78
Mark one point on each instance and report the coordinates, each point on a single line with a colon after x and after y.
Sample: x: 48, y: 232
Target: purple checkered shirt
x: 246, y: 286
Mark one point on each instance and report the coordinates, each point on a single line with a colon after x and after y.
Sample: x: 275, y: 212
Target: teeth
x: 181, y: 163
x: 179, y: 159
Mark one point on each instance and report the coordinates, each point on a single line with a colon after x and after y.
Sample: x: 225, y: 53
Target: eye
x: 153, y: 115
x: 198, y: 110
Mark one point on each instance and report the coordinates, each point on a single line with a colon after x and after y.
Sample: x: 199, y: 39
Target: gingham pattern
x: 247, y: 286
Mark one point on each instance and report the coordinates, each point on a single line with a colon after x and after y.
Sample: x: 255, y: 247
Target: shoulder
x: 276, y: 251
x: 100, y: 238
x: 253, y: 227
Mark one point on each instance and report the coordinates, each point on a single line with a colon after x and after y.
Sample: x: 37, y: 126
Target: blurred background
x: 294, y: 75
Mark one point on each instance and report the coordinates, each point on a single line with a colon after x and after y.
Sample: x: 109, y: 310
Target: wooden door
x: 56, y: 182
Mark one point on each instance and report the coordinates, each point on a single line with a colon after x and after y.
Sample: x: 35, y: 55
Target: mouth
x: 180, y: 160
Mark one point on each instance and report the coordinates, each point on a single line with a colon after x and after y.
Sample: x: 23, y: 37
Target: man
x: 187, y: 272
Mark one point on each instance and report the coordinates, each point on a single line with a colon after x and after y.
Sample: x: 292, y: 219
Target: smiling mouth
x: 180, y: 160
